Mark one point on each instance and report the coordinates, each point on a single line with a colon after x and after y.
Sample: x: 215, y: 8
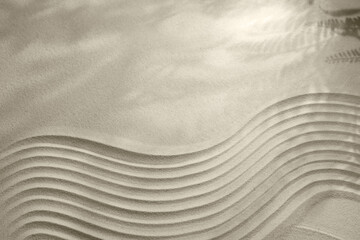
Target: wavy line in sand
x: 280, y: 152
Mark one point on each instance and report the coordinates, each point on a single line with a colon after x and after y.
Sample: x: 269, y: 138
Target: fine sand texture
x: 177, y: 119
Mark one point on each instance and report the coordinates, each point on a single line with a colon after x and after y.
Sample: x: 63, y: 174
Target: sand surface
x: 200, y: 119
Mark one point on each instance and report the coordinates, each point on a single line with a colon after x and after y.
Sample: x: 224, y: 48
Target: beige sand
x: 179, y: 119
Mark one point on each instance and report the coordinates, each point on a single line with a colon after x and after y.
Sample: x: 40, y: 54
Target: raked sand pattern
x: 188, y: 120
x: 291, y: 153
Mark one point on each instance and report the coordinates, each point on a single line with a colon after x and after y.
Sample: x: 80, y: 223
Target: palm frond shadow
x: 349, y: 26
x: 347, y: 56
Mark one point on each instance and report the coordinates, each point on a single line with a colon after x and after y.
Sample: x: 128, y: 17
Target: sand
x: 179, y: 119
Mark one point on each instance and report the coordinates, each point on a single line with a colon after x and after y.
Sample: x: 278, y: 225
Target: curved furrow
x: 52, y: 161
x: 200, y: 168
x: 251, y: 200
x: 36, y: 228
x: 212, y: 182
x: 315, y: 233
x: 117, y: 154
x: 45, y: 236
x: 315, y: 156
x: 224, y: 190
x: 111, y: 198
x: 116, y: 178
x: 62, y: 195
x: 65, y: 220
x: 324, y: 163
x: 319, y: 97
x: 297, y: 111
x: 271, y: 205
x: 272, y: 222
x: 243, y: 220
